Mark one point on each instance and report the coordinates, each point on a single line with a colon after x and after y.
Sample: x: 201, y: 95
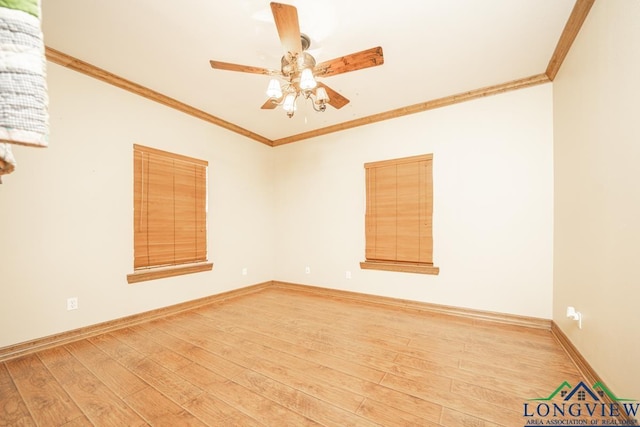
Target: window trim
x: 161, y: 272
x: 141, y: 274
x: 398, y: 265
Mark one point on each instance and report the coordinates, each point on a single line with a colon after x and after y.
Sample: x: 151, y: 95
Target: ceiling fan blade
x: 286, y: 18
x: 270, y: 104
x: 218, y: 65
x: 336, y: 100
x: 356, y: 61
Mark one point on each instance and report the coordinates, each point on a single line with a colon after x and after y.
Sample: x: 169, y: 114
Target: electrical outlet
x: 244, y: 271
x: 574, y: 315
x: 72, y: 303
x: 347, y: 275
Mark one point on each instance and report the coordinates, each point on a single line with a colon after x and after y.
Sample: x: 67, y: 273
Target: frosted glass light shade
x: 289, y: 103
x: 307, y: 81
x: 321, y: 95
x: 274, y: 90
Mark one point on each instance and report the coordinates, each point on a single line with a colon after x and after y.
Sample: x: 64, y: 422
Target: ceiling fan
x: 299, y: 69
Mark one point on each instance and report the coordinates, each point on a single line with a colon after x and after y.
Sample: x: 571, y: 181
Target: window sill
x: 400, y: 267
x: 159, y: 273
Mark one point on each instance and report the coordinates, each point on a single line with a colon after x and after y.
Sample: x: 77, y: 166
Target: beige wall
x: 66, y: 213
x: 597, y: 193
x: 509, y: 237
x: 493, y: 204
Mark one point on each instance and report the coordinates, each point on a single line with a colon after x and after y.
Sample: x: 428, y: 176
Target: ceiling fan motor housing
x: 292, y: 65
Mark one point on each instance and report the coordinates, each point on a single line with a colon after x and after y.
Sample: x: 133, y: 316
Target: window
x: 169, y: 213
x: 398, y: 218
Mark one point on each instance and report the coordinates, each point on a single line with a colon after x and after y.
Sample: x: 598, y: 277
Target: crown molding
x: 91, y: 70
x: 572, y: 28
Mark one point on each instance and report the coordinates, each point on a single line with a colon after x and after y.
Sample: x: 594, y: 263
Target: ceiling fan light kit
x: 299, y: 71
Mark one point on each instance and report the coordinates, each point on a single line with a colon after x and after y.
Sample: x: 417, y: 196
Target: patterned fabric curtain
x: 23, y: 88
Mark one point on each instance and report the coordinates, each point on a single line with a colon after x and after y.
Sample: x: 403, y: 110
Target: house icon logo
x: 595, y: 406
x: 582, y: 391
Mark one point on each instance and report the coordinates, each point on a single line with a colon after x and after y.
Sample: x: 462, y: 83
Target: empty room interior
x: 508, y: 270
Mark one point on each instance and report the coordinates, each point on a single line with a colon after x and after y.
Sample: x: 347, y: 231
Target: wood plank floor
x: 282, y: 357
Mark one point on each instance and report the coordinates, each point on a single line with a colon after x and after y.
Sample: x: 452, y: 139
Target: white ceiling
x: 432, y: 49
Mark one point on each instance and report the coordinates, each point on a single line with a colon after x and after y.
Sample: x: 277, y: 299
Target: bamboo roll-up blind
x: 170, y: 226
x: 399, y: 210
